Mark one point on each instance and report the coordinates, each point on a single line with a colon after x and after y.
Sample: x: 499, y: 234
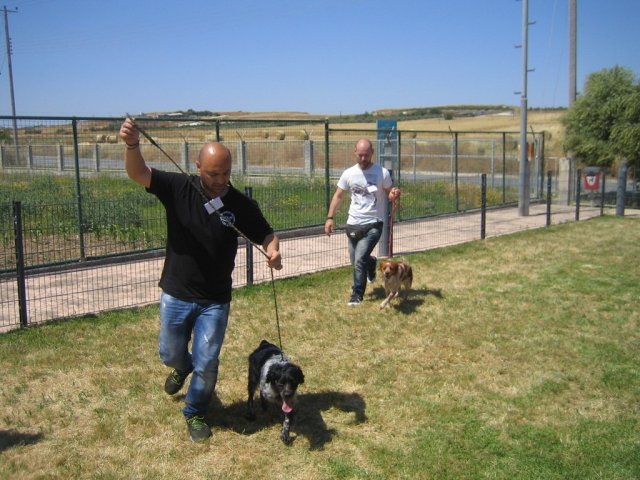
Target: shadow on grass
x: 12, y: 438
x: 308, y: 420
x: 408, y: 303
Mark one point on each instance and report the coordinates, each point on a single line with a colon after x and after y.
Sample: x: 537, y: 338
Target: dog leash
x: 393, y: 207
x: 226, y: 223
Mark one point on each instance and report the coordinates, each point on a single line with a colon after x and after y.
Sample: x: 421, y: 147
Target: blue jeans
x: 205, y: 325
x: 360, y: 256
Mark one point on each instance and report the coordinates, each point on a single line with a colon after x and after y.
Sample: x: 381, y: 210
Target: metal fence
x: 91, y: 240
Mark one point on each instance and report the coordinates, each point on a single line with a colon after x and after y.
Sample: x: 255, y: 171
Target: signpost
x: 388, y: 151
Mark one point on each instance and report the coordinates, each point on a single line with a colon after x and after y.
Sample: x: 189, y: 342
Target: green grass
x: 515, y: 357
x: 118, y: 216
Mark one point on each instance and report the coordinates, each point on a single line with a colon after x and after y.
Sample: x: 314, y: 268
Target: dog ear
x: 299, y: 376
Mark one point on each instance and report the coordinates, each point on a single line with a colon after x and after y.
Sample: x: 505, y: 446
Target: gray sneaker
x: 355, y: 299
x: 199, y: 431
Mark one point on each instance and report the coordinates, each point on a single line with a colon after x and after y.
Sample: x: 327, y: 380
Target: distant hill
x: 447, y: 112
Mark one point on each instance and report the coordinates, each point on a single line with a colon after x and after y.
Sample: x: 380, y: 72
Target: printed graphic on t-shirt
x: 365, y: 196
x: 228, y: 219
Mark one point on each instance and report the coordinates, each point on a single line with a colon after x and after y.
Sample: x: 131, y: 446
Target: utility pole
x: 569, y: 162
x: 572, y: 51
x: 523, y: 199
x: 13, y: 101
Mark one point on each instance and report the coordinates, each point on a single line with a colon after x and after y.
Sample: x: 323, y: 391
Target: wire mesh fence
x: 92, y: 240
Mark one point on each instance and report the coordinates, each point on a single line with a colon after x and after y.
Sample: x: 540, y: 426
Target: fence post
x: 455, y: 168
x: 96, y: 156
x: 622, y: 187
x: 60, y: 157
x: 493, y: 162
x: 30, y: 156
x: 327, y: 185
x: 242, y: 157
x: 504, y: 167
x: 2, y: 156
x: 22, y: 288
x: 483, y: 208
x: 602, y: 192
x: 541, y: 159
x: 399, y: 157
x: 537, y: 167
x: 76, y: 159
x: 414, y: 160
x: 248, y: 191
x: 185, y: 156
x: 548, y: 198
x: 309, y: 165
x: 578, y: 179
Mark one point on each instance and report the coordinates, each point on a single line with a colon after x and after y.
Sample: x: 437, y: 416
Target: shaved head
x: 214, y: 166
x: 364, y: 153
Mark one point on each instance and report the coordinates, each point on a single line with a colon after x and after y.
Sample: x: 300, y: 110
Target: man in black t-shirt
x: 200, y: 256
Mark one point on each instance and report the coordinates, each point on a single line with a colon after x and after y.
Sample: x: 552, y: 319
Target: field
x: 514, y: 357
x: 537, y: 120
x: 251, y: 126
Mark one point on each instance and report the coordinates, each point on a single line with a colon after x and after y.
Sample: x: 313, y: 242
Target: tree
x: 603, y: 124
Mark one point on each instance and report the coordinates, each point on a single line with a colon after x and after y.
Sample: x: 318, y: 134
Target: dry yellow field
x: 549, y: 121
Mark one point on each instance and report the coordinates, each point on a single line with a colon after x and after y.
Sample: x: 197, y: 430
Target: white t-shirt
x: 367, y: 193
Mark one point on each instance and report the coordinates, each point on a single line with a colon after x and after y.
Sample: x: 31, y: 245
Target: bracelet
x: 132, y: 146
x: 329, y: 218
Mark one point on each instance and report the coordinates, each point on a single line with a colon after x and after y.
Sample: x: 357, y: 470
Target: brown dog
x: 396, y: 274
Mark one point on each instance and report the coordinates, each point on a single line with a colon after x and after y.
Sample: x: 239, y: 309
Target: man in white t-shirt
x: 369, y: 185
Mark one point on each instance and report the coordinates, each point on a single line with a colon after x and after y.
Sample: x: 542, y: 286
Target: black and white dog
x: 278, y: 379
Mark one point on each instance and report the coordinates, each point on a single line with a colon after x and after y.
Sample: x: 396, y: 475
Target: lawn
x: 514, y: 357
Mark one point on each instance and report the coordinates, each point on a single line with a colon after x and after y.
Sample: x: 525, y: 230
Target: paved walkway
x: 86, y: 291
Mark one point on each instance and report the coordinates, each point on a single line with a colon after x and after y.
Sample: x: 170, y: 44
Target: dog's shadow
x: 308, y: 421
x: 407, y: 304
x: 11, y: 438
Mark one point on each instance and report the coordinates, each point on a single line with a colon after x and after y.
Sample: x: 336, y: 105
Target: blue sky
x: 109, y: 57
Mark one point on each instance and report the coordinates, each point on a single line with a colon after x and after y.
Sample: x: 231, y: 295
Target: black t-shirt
x: 201, y: 250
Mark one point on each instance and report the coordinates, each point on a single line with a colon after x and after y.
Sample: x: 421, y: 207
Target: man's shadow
x: 308, y: 421
x: 407, y: 303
